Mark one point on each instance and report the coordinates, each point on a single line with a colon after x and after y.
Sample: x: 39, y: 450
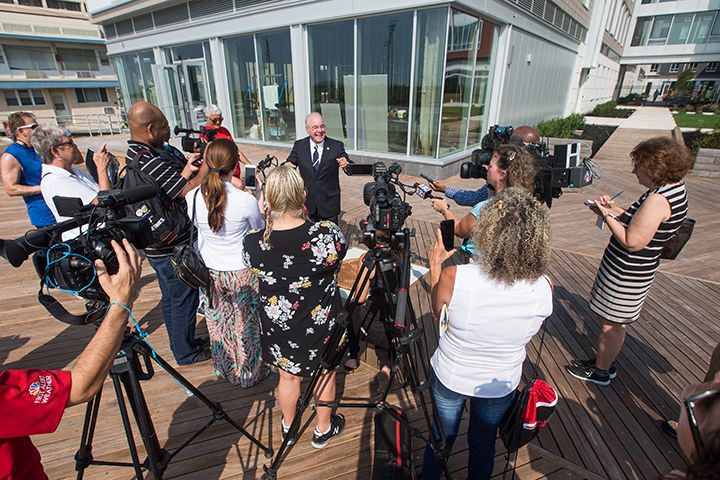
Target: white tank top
x: 482, y: 352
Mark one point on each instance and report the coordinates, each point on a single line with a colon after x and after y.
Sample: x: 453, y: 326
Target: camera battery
x: 580, y: 176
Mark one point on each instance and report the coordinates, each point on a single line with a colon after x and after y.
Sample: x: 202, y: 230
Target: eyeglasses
x: 67, y: 143
x: 31, y: 126
x: 216, y: 120
x: 690, y: 404
x: 315, y: 128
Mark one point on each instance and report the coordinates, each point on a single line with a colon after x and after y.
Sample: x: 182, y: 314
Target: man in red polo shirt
x: 33, y: 401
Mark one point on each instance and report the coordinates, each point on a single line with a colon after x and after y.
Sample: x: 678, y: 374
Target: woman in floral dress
x: 295, y: 261
x: 223, y: 216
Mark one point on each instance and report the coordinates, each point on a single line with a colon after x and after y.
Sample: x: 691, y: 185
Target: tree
x: 684, y: 82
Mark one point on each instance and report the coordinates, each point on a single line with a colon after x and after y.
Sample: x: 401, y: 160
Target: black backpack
x: 168, y: 218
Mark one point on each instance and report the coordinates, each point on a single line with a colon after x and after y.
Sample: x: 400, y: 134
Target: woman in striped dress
x: 633, y: 255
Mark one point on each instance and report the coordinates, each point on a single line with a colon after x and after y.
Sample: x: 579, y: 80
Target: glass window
x: 38, y: 97
x: 701, y: 27
x: 63, y: 5
x: 91, y: 95
x: 10, y: 98
x: 674, y: 68
x: 240, y: 58
x: 680, y: 29
x: 642, y: 31
x: 660, y: 30
x: 711, y: 67
x: 462, y: 33
x: 384, y: 44
x: 25, y: 97
x: 654, y: 67
x: 131, y: 86
x: 332, y: 77
x: 30, y: 58
x: 147, y: 60
x: 693, y: 67
x: 429, y: 59
x: 30, y: 3
x: 78, y: 59
x: 715, y: 32
x: 276, y: 85
x: 195, y: 77
x: 483, y: 67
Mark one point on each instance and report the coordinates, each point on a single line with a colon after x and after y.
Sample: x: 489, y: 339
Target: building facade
x: 670, y: 37
x: 53, y: 62
x: 394, y: 79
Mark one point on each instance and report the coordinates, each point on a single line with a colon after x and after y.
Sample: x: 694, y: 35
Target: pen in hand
x: 617, y: 194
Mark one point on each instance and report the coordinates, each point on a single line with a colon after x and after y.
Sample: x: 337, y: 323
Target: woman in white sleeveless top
x: 495, y: 306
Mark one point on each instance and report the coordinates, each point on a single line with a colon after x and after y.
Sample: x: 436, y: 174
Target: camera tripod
x: 126, y: 373
x: 409, y: 356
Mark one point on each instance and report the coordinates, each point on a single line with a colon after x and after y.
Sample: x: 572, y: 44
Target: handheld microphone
x: 116, y: 198
x: 423, y: 191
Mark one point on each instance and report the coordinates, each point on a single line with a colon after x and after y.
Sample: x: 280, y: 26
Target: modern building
x: 416, y: 81
x: 670, y: 37
x: 53, y: 62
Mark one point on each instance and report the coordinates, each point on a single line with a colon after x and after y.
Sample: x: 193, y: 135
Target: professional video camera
x: 190, y: 143
x: 388, y: 211
x: 69, y: 265
x: 498, y: 135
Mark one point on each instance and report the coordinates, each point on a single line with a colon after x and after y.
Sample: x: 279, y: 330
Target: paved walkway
x: 646, y: 118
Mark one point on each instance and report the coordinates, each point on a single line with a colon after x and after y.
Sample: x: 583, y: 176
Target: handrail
x: 90, y: 123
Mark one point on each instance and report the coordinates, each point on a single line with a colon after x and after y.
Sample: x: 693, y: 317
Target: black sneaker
x: 284, y: 432
x: 337, y: 423
x: 590, y: 362
x: 588, y: 374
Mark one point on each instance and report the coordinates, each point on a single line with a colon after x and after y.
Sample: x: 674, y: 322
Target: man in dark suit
x: 319, y: 159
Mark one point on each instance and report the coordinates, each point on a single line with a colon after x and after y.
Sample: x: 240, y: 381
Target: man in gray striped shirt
x: 175, y: 175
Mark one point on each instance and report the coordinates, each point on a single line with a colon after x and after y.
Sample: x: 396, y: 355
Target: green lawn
x: 697, y: 120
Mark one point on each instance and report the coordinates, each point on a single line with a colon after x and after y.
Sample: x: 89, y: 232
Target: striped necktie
x: 316, y: 160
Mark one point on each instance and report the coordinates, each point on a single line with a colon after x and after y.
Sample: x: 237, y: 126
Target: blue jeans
x: 179, y: 306
x: 485, y: 416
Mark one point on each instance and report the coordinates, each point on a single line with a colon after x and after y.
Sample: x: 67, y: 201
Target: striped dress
x: 624, y: 278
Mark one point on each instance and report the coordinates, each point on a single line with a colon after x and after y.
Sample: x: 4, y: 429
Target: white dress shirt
x: 56, y: 181
x: 320, y: 148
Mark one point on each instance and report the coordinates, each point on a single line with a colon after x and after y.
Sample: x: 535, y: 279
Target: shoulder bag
x: 674, y: 245
x: 187, y: 262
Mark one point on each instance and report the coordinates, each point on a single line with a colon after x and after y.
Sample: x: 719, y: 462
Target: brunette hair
x: 221, y: 157
x: 662, y: 159
x: 16, y: 120
x: 519, y: 164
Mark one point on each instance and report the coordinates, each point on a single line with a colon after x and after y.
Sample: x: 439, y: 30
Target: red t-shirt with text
x: 33, y: 402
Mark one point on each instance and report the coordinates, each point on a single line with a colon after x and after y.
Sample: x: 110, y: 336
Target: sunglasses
x: 31, y: 126
x: 690, y: 404
x: 68, y: 143
x: 216, y: 120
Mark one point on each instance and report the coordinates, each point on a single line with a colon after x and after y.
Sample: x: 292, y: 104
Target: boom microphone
x: 423, y: 191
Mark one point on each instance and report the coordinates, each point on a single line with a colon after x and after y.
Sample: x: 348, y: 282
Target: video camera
x: 497, y: 135
x: 69, y: 265
x: 190, y: 143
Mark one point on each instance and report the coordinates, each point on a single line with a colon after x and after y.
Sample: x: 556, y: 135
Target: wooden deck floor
x: 597, y: 432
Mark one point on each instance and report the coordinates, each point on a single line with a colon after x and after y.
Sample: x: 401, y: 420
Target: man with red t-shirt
x: 33, y: 401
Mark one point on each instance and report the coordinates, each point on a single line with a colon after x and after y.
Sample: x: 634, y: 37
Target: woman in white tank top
x: 495, y: 305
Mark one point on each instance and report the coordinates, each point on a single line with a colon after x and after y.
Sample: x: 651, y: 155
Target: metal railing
x: 90, y: 123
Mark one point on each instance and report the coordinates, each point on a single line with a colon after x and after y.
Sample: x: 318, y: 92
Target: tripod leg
x: 126, y: 426
x: 84, y: 457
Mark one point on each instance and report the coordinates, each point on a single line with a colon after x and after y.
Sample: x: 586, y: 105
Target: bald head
x: 527, y: 134
x: 148, y: 124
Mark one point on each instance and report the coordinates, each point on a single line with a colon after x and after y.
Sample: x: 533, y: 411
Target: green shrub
x: 682, y: 109
x: 711, y: 140
x: 561, y: 127
x: 609, y: 109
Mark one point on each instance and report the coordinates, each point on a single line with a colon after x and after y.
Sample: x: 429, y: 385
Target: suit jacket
x: 323, y: 190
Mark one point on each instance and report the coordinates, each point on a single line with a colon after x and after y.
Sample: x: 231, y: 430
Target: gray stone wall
x: 707, y: 163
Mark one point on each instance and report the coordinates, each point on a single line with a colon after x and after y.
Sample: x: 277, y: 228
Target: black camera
x: 69, y: 265
x: 498, y: 135
x: 191, y: 141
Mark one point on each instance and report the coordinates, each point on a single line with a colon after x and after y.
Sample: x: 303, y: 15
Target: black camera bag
x: 674, y: 245
x: 187, y: 262
x: 393, y: 446
x: 168, y: 219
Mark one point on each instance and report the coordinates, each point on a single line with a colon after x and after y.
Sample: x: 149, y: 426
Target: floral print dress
x: 299, y: 300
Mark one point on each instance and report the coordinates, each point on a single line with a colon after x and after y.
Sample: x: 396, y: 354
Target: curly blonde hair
x: 284, y: 193
x: 519, y: 164
x: 512, y: 237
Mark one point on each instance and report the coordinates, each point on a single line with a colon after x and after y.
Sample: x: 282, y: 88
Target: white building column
x: 301, y: 78
x: 222, y: 87
x: 503, y: 59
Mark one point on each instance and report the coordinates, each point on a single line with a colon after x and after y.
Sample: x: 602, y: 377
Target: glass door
x: 170, y: 97
x: 196, y: 90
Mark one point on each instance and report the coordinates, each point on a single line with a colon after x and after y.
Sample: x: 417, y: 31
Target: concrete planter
x: 707, y: 163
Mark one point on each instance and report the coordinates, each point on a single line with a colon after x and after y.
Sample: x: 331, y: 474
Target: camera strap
x: 55, y: 309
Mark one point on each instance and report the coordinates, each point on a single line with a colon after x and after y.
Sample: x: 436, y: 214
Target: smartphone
x: 590, y: 203
x: 90, y: 163
x: 447, y: 230
x: 250, y: 179
x: 427, y: 178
